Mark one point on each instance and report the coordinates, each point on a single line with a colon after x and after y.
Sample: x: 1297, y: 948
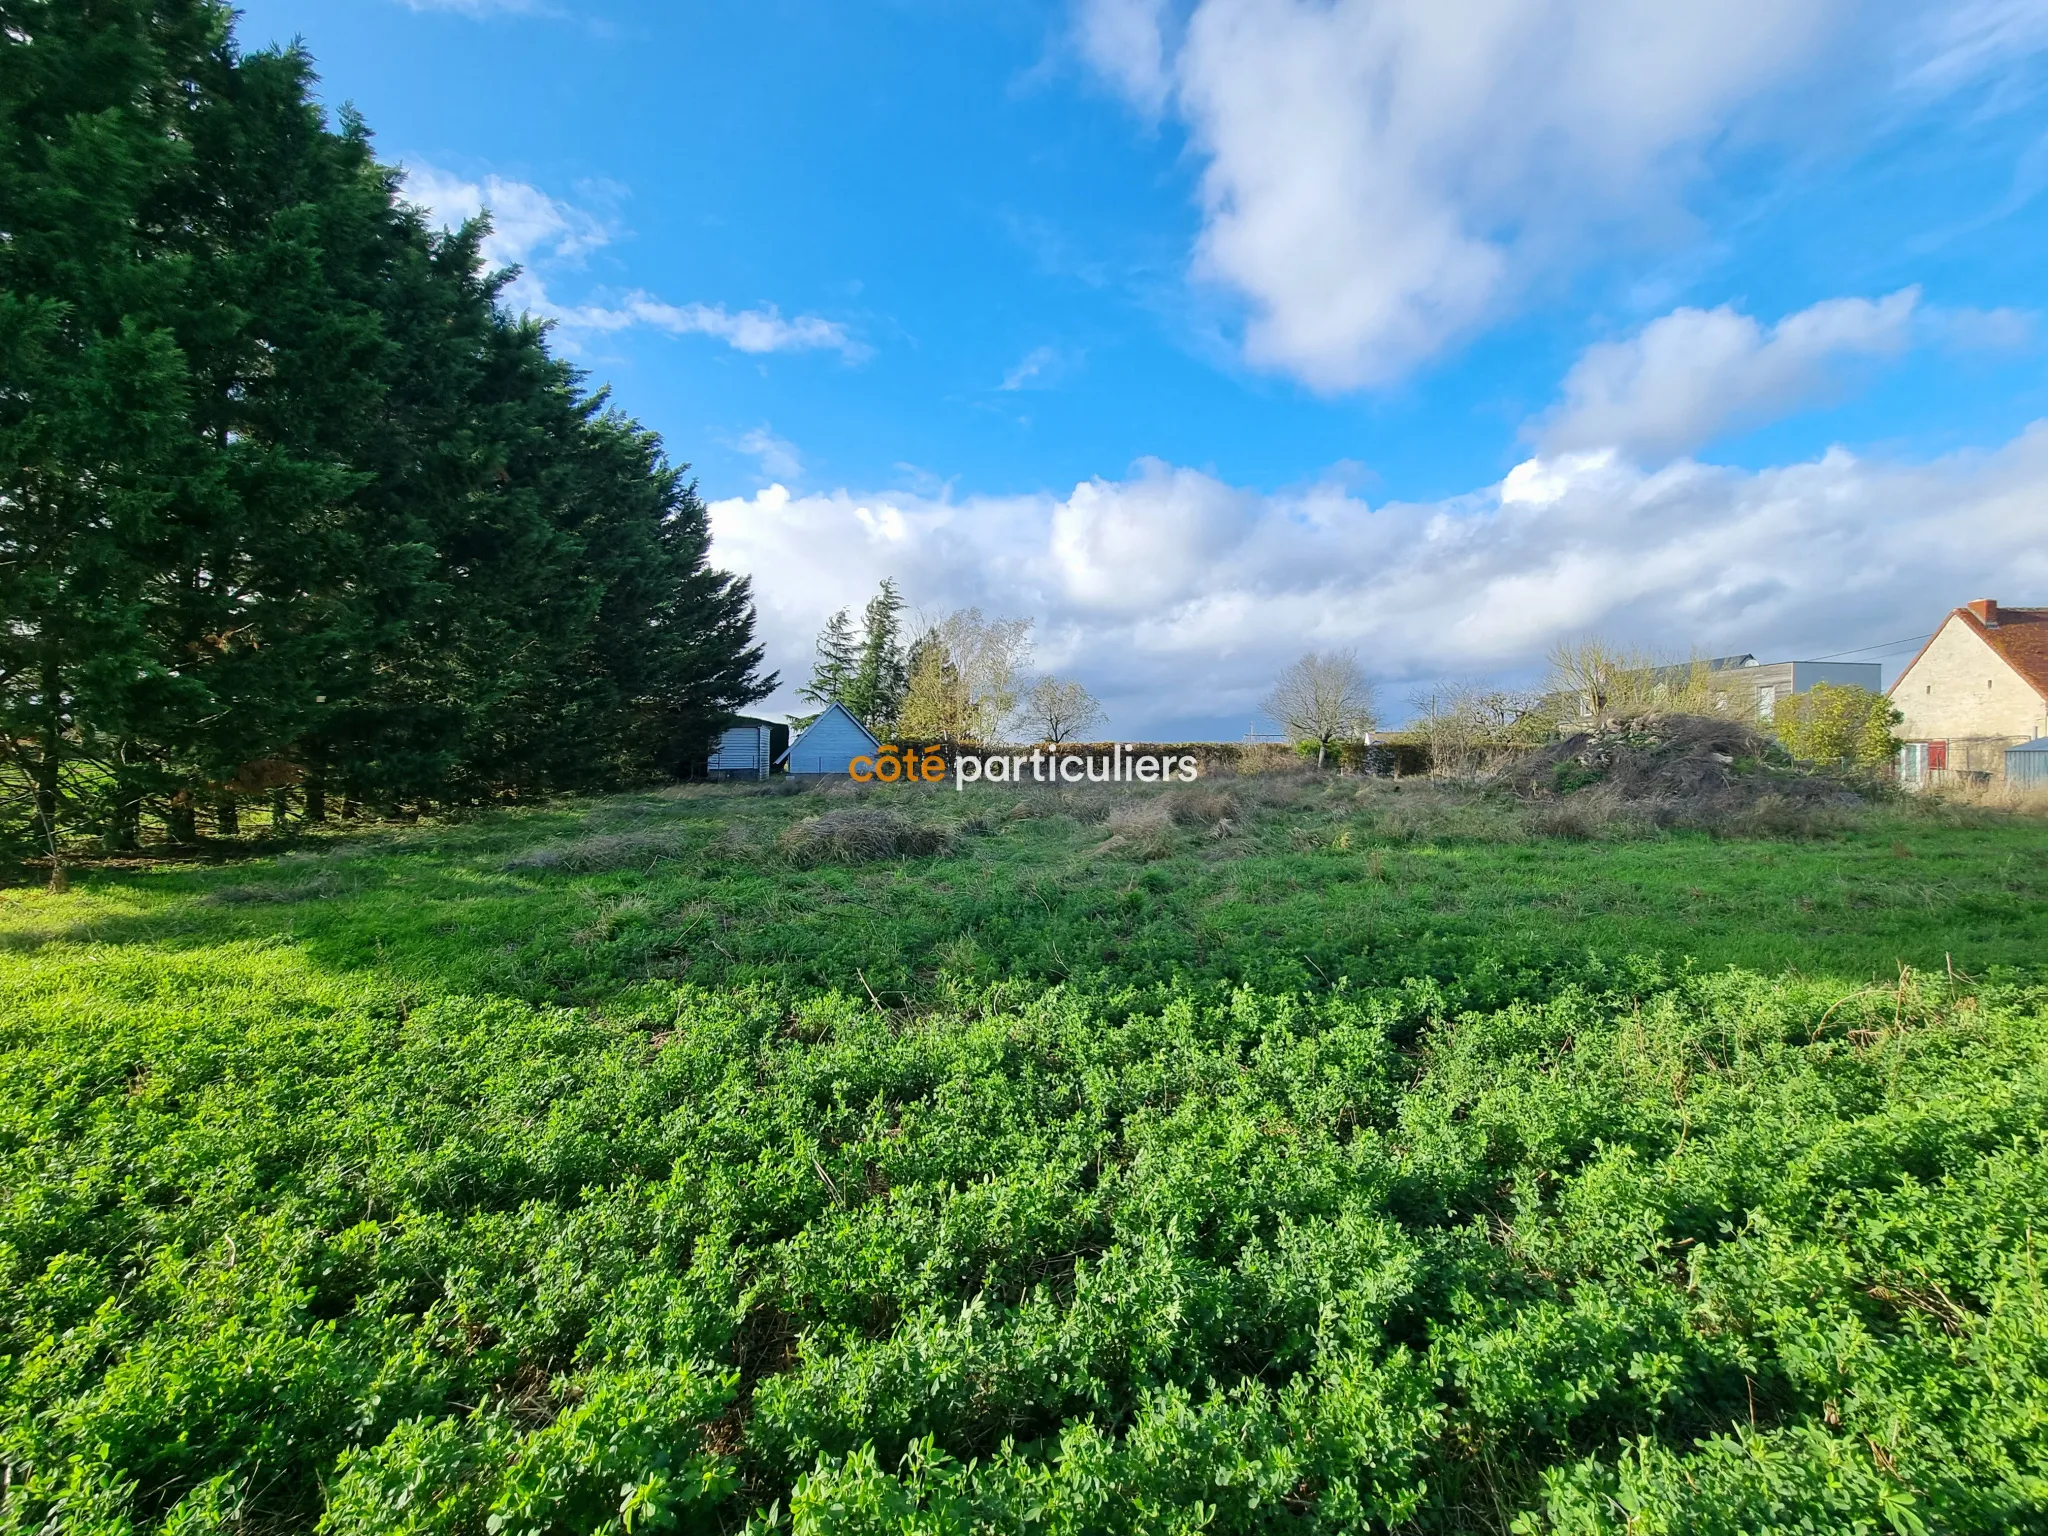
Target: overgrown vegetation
x: 1285, y: 1153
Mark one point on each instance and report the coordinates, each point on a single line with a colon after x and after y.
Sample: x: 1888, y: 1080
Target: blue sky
x: 1205, y: 333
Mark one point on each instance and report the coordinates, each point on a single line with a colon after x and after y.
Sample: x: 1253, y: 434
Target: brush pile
x: 1679, y: 770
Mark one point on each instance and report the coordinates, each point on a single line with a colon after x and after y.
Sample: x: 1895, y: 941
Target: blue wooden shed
x: 745, y: 749
x: 831, y: 742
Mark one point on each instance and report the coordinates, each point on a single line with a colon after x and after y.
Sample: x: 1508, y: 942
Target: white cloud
x: 1383, y: 173
x: 746, y: 330
x: 1694, y: 374
x: 1126, y: 40
x: 1383, y: 178
x: 544, y: 236
x: 526, y: 224
x: 1177, y: 597
x: 1037, y: 369
x: 778, y: 456
x: 1964, y: 40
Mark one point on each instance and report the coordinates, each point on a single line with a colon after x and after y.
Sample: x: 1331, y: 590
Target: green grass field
x: 1280, y: 1155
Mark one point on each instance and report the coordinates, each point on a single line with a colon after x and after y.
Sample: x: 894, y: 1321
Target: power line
x: 1882, y: 645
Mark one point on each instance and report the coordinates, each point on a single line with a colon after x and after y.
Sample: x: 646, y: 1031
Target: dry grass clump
x: 735, y: 842
x: 1589, y: 816
x: 1140, y: 829
x: 2027, y: 801
x: 861, y: 835
x: 1420, y: 811
x: 598, y: 852
x: 1202, y: 807
x: 1277, y: 791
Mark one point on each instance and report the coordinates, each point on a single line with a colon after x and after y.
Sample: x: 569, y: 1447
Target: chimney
x: 1986, y: 609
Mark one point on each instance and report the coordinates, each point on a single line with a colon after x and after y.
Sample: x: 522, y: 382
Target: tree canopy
x: 288, y: 498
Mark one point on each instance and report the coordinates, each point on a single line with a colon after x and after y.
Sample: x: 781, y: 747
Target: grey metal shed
x: 2026, y: 765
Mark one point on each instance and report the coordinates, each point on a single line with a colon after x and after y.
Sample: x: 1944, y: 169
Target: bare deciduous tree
x: 1058, y: 710
x: 1322, y: 698
x: 1599, y: 682
x: 1461, y: 721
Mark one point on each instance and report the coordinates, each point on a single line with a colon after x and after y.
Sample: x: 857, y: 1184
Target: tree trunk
x: 316, y: 798
x: 49, y: 769
x: 181, y: 819
x: 124, y: 830
x: 124, y: 834
x: 1322, y: 747
x: 280, y: 809
x: 227, y: 816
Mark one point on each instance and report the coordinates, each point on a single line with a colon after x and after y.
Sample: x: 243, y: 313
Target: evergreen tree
x: 880, y: 674
x: 96, y: 454
x: 284, y: 493
x: 838, y: 660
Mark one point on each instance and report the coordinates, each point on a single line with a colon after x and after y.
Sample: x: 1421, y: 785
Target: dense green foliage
x: 285, y: 497
x: 1839, y: 725
x: 1285, y: 1160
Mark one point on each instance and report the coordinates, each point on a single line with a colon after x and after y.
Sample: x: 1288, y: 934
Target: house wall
x: 1775, y: 680
x: 1961, y: 690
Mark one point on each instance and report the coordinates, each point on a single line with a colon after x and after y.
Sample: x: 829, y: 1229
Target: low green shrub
x: 1646, y: 1251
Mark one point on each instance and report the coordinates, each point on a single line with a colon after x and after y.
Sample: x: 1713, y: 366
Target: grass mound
x: 860, y: 835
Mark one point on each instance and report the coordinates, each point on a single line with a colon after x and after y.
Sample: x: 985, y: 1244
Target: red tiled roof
x: 2021, y: 637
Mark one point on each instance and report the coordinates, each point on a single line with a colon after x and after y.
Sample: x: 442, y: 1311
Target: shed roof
x: 835, y: 708
x: 2038, y: 744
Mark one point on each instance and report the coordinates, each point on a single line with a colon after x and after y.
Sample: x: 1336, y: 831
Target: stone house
x: 1978, y: 688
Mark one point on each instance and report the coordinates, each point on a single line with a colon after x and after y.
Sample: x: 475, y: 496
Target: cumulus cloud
x: 1381, y: 173
x: 544, y: 237
x: 1383, y: 178
x: 1694, y: 374
x: 1177, y: 597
